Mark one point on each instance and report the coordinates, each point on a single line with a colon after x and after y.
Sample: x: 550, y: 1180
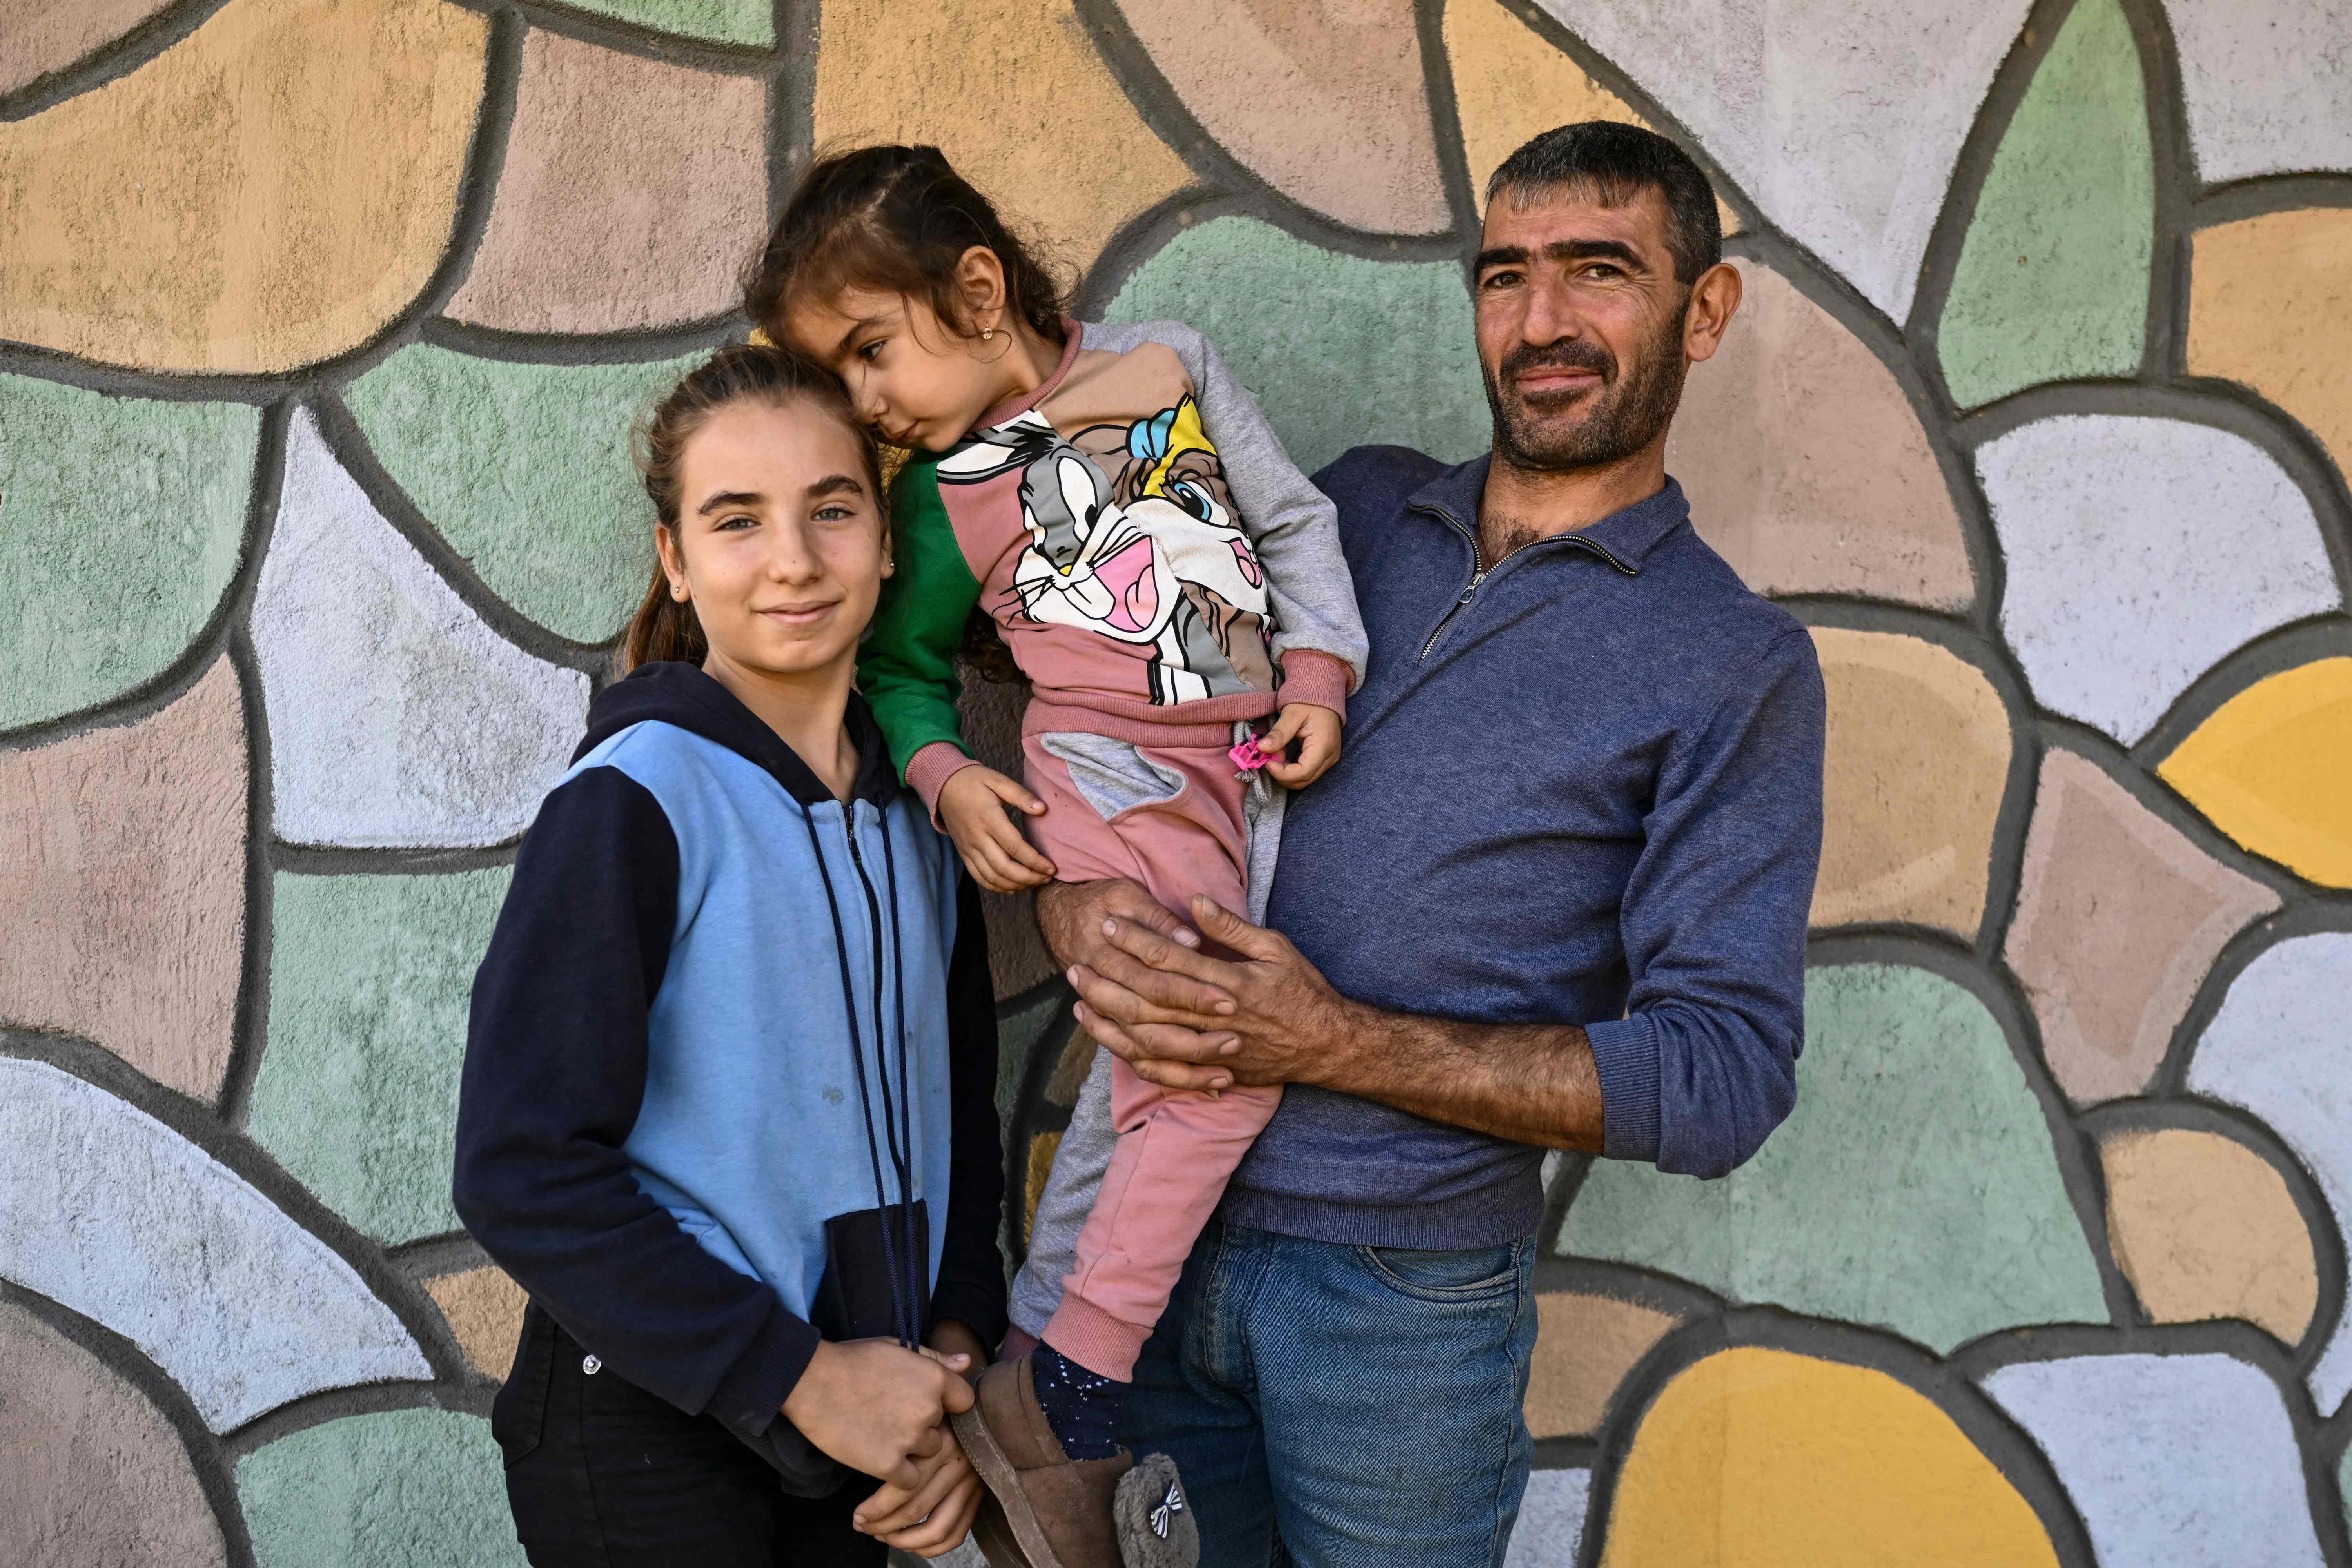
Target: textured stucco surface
x: 743, y: 22
x: 484, y: 1309
x: 358, y: 1090
x: 2268, y: 85
x: 2173, y: 1461
x: 395, y: 716
x: 1585, y: 1345
x: 1806, y: 467
x: 38, y: 37
x: 2116, y: 596
x: 1340, y: 351
x: 1917, y: 761
x: 631, y: 193
x: 2270, y: 305
x: 1760, y: 1456
x: 107, y: 1211
x: 399, y: 1488
x: 126, y: 862
x: 2269, y: 768
x: 524, y: 469
x: 1913, y: 1186
x: 2051, y: 283
x: 268, y: 192
x: 2204, y: 1228
x: 1551, y: 1520
x: 96, y: 611
x: 2118, y: 917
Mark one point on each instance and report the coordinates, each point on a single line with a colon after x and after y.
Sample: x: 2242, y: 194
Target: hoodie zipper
x: 1480, y: 571
x: 897, y: 1259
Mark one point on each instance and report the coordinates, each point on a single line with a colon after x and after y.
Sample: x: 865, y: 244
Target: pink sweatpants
x: 1170, y: 818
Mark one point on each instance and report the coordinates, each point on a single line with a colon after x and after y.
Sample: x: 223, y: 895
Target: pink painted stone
x: 1326, y: 101
x: 633, y: 193
x: 2119, y: 917
x: 38, y: 37
x: 122, y: 883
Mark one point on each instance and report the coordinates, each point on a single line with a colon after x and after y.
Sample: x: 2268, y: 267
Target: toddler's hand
x: 1315, y: 728
x: 972, y: 808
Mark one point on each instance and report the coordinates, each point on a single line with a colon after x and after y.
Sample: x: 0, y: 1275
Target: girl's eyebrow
x: 833, y: 485
x: 729, y: 498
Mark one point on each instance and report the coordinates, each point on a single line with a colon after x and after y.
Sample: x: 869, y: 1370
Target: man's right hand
x: 877, y: 1407
x: 1077, y: 918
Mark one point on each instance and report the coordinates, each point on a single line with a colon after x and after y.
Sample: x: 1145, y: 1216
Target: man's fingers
x: 1162, y: 1053
x: 1220, y: 924
x: 1156, y: 916
x: 1157, y: 952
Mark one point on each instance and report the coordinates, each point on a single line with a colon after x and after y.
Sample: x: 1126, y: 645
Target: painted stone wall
x: 321, y: 322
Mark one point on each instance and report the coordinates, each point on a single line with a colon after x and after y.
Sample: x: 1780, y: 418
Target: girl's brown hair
x: 667, y: 628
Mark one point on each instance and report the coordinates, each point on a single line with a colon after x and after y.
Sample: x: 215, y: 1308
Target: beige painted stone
x: 2270, y: 305
x: 38, y: 37
x: 1917, y: 760
x: 1806, y: 468
x: 632, y: 195
x: 1326, y: 101
x: 1014, y: 94
x: 1584, y: 1347
x: 484, y: 1307
x: 91, y: 1476
x: 2204, y: 1228
x: 266, y: 193
x: 2119, y: 917
x: 122, y: 883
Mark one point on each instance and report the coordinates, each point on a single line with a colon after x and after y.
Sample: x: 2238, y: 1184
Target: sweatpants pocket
x: 1114, y: 776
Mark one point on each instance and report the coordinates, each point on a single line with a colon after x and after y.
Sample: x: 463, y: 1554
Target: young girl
x: 1167, y: 580
x: 728, y: 1107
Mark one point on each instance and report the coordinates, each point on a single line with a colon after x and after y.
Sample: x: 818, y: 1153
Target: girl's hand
x: 1315, y: 728
x: 879, y: 1408
x: 935, y: 1515
x: 972, y: 808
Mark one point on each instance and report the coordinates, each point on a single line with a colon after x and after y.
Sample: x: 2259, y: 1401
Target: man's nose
x: 1552, y: 316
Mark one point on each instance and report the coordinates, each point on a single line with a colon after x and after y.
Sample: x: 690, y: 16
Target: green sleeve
x: 906, y: 666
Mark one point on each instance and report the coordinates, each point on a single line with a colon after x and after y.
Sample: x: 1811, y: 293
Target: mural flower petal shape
x: 2268, y: 85
x: 750, y: 22
x: 39, y: 37
x: 2269, y: 307
x: 2204, y: 1228
x: 2269, y: 769
x: 399, y: 1488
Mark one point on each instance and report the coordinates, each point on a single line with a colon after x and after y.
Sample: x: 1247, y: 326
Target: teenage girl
x: 728, y: 1109
x: 1170, y: 584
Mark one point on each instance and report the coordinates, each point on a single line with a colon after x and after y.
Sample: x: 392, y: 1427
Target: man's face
x: 1579, y: 327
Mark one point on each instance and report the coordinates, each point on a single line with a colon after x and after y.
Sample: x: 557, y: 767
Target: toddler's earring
x: 986, y: 333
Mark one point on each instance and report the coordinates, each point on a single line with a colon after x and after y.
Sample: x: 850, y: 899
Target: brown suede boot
x: 1044, y: 1509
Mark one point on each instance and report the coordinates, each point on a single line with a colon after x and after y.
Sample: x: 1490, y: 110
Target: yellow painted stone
x: 1760, y: 1459
x: 1013, y: 93
x: 266, y: 193
x: 1509, y: 85
x: 2273, y: 769
x: 1041, y: 1165
x: 2270, y: 305
x: 2205, y: 1228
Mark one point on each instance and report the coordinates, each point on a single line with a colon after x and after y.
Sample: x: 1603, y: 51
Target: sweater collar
x: 1625, y: 537
x: 1014, y: 407
x: 684, y: 696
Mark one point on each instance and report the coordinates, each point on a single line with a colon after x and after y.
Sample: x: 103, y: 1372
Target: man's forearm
x: 1532, y: 1083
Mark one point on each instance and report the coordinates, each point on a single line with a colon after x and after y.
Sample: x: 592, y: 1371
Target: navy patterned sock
x: 1084, y: 1408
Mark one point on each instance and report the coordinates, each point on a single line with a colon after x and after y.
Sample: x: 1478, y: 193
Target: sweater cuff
x: 928, y: 770
x: 753, y: 1392
x: 973, y: 1305
x: 1310, y: 675
x: 1626, y: 1052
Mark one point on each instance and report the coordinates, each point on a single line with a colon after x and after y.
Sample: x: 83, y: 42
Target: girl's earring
x: 678, y: 590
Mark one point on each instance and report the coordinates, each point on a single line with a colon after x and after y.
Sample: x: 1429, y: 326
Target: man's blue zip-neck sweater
x: 720, y: 1008
x: 1581, y: 787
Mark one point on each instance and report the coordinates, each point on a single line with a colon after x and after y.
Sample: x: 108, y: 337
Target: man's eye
x: 1499, y: 279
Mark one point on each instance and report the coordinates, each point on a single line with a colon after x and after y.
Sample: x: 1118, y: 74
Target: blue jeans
x: 1359, y: 1406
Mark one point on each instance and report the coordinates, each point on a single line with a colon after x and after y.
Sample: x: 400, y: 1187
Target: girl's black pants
x: 601, y: 1474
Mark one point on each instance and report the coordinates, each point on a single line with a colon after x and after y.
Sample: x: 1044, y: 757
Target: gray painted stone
x: 1551, y: 1520
x: 2282, y: 1048
x: 2185, y: 1461
x: 398, y: 1488
x: 2268, y: 85
x: 2141, y: 551
x: 110, y: 1212
x: 396, y: 717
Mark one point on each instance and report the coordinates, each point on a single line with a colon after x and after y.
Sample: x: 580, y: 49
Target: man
x: 1553, y: 895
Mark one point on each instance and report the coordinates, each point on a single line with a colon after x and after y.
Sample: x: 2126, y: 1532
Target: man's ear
x: 980, y: 281
x: 1714, y: 300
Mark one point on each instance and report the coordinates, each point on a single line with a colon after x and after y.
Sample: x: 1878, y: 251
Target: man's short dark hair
x: 1614, y: 163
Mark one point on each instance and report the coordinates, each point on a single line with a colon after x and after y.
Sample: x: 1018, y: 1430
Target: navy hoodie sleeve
x: 555, y: 1073
x: 971, y: 1286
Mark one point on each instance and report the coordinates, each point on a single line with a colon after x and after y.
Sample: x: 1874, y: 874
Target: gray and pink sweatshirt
x: 1156, y: 565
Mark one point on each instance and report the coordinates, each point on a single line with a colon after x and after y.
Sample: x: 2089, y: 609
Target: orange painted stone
x: 632, y: 193
x: 2204, y: 1228
x: 38, y: 36
x: 122, y: 880
x: 2269, y: 769
x: 268, y: 192
x: 2119, y: 917
x: 2270, y: 305
x: 1918, y: 761
x: 484, y: 1309
x: 1585, y: 1344
x: 1805, y: 464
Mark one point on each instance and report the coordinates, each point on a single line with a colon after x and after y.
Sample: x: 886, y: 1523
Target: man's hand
x: 878, y: 1407
x: 972, y: 808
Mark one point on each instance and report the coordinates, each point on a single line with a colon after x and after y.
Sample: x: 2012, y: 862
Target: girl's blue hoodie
x: 709, y: 1020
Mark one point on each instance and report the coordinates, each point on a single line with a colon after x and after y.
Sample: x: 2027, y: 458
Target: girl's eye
x: 867, y: 351
x: 835, y: 513
x: 735, y: 522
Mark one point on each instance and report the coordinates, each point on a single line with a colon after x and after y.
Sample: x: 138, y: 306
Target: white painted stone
x: 2282, y: 1048
x: 396, y: 718
x: 2184, y: 1461
x: 2268, y: 84
x: 1551, y: 1520
x: 2139, y: 551
x: 107, y: 1210
x: 1840, y: 119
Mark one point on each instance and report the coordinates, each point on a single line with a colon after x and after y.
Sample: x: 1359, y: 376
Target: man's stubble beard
x: 1629, y: 411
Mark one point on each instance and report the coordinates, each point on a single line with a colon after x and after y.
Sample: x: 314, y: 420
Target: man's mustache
x: 1574, y: 353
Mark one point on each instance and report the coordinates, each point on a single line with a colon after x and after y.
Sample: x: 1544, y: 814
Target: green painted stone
x: 122, y: 523
x: 399, y: 1488
x: 524, y: 469
x: 2053, y: 278
x: 1340, y: 351
x: 2344, y: 1482
x: 1914, y: 1187
x: 357, y: 1096
x: 751, y: 22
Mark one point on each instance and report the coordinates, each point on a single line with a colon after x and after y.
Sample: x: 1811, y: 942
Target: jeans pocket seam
x: 1495, y: 1285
